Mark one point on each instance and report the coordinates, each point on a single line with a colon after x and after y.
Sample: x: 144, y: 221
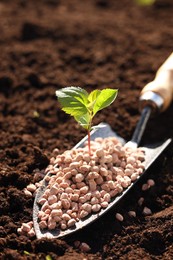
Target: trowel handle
x: 159, y: 92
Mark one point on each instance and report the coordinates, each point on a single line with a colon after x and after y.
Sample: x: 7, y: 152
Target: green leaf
x: 76, y: 102
x: 92, y: 99
x: 84, y: 120
x: 93, y: 95
x: 104, y: 99
x: 73, y: 100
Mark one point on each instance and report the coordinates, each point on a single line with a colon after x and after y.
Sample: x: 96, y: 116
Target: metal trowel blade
x: 103, y: 130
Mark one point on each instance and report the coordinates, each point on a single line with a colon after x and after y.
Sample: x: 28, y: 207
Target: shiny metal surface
x: 152, y: 99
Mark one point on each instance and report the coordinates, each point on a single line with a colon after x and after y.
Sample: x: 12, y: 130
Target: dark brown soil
x: 49, y: 44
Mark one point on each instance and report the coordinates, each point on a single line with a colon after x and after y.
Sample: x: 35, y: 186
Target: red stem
x: 89, y: 142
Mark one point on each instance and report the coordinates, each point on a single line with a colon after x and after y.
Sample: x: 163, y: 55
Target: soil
x: 50, y: 44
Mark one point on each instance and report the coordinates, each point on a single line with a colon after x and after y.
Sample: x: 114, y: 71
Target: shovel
x: 155, y: 96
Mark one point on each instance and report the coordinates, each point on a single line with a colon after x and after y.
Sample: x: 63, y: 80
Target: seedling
x: 83, y: 106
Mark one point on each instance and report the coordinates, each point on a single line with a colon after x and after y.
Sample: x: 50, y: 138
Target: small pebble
x: 84, y: 247
x: 147, y: 211
x: 145, y: 186
x: 96, y: 207
x: 132, y: 213
x: 19, y: 231
x: 140, y: 201
x: 31, y: 233
x: 25, y: 227
x: 151, y: 182
x: 55, y: 151
x: 27, y: 193
x: 31, y: 187
x: 71, y: 222
x: 119, y: 217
